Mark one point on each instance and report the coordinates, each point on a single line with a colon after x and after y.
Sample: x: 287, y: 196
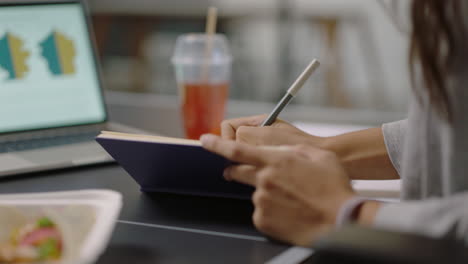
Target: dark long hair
x: 437, y: 47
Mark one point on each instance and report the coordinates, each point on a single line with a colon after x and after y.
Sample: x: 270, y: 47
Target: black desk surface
x: 162, y: 228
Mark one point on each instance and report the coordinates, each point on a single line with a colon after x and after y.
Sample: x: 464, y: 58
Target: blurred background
x: 363, y: 79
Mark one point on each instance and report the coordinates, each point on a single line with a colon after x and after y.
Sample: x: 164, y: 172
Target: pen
x: 292, y: 91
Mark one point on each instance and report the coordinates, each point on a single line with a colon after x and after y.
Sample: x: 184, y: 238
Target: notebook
x: 172, y: 165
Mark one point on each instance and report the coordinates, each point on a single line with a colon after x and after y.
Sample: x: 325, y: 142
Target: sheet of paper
x: 327, y: 130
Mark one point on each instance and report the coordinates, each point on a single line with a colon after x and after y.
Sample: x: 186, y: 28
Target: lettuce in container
x: 37, y: 241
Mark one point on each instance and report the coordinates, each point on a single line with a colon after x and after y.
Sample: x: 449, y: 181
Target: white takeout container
x: 85, y: 218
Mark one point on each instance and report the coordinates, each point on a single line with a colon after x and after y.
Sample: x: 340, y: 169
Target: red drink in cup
x: 203, y: 70
x: 203, y: 108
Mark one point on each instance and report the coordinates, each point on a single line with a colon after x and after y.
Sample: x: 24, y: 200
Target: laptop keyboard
x: 44, y: 142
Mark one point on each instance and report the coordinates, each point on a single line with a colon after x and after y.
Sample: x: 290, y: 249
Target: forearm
x: 363, y: 154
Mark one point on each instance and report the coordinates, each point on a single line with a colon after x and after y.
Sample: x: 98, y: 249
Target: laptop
x: 51, y: 94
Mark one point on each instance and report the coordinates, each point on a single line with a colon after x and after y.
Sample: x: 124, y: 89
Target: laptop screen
x: 48, y: 76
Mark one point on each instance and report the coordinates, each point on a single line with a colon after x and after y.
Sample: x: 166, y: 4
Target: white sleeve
x: 436, y: 217
x: 394, y: 134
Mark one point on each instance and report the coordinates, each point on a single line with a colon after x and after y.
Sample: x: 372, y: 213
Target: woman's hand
x: 362, y: 153
x: 248, y: 130
x: 299, y: 189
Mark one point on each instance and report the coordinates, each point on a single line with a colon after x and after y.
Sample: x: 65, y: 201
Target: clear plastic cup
x: 203, y: 71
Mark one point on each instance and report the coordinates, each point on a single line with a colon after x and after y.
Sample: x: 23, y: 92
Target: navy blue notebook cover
x: 172, y: 167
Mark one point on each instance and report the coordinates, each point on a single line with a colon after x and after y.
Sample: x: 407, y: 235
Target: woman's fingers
x: 235, y: 151
x: 229, y: 127
x: 242, y: 173
x: 271, y: 205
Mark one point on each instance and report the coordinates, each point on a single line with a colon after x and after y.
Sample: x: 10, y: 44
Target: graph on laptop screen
x: 48, y: 77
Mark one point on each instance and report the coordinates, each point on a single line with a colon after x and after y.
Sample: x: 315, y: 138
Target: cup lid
x: 198, y: 48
